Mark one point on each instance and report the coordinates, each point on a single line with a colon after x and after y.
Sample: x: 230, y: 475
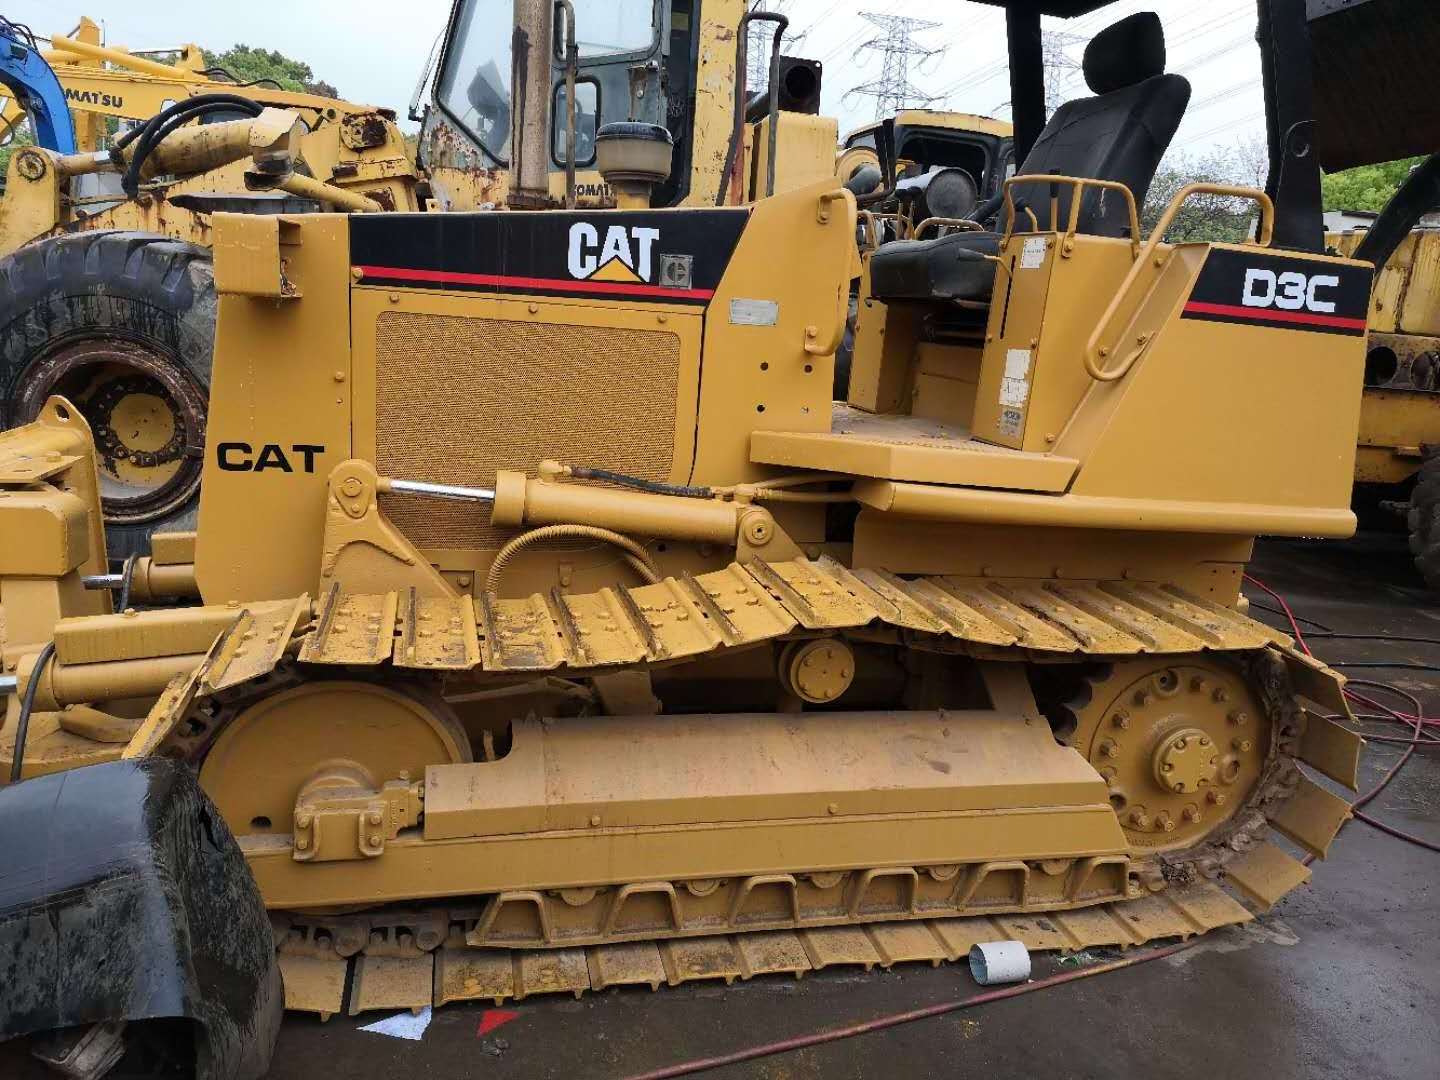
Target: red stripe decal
x: 612, y: 288
x: 1304, y: 318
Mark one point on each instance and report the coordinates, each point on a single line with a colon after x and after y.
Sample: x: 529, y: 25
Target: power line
x: 893, y: 90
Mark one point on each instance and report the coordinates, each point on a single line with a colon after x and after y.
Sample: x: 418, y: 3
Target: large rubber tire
x: 146, y: 300
x: 1425, y: 521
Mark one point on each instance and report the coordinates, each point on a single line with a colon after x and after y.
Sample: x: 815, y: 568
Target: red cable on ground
x: 800, y: 1042
x: 1417, y: 722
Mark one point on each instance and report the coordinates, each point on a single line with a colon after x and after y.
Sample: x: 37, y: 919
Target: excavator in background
x: 559, y: 630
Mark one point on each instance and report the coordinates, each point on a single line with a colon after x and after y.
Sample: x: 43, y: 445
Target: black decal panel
x: 1257, y: 288
x: 675, y: 256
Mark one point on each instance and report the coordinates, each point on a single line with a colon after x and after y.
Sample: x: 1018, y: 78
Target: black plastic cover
x: 123, y: 895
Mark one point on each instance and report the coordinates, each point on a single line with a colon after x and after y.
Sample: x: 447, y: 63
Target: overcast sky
x: 374, y: 50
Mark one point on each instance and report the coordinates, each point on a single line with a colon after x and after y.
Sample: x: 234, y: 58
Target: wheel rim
x: 147, y: 415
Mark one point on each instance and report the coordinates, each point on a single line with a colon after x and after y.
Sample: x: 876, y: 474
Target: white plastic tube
x: 996, y: 962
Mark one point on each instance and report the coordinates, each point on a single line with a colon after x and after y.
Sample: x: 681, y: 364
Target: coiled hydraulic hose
x: 27, y: 706
x: 638, y: 558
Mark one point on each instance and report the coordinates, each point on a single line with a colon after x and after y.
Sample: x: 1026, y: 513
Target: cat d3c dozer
x: 560, y: 631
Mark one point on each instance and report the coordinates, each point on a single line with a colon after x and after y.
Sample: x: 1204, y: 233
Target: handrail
x: 1079, y: 183
x: 1095, y: 353
x: 963, y: 224
x: 868, y: 219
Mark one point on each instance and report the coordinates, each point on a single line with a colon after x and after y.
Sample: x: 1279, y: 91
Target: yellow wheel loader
x: 1396, y: 469
x: 108, y: 294
x: 558, y: 630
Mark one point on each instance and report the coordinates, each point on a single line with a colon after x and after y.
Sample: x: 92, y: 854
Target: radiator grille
x: 457, y: 399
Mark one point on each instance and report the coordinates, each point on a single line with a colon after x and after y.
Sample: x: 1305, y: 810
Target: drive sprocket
x: 1185, y: 744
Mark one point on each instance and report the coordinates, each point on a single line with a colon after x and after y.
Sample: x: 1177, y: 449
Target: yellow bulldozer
x: 557, y: 629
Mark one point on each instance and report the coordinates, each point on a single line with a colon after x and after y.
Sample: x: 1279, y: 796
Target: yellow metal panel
x: 314, y: 983
x: 910, y: 448
x: 812, y: 593
x: 602, y: 628
x: 678, y: 626
x: 1021, y: 618
x: 172, y: 548
x: 714, y: 98
x: 761, y: 378
x: 755, y: 766
x: 1119, y: 513
x: 775, y: 952
x: 839, y: 945
x: 261, y: 530
x: 1153, y: 634
x: 693, y: 959
x: 805, y: 155
x: 250, y: 264
x: 438, y: 633
x: 1200, y: 404
x: 352, y: 629
x: 519, y: 635
x: 635, y: 963
x: 1266, y: 873
x: 1312, y: 817
x: 473, y: 975
x: 265, y: 633
x: 176, y: 632
x: 1332, y: 749
x: 43, y: 533
x: 738, y: 607
x: 392, y: 982
x: 551, y: 971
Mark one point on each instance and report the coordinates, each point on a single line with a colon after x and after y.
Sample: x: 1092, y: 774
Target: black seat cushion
x: 938, y: 269
x: 1119, y: 134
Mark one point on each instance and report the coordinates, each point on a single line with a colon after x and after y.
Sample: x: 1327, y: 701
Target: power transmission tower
x: 1060, y: 67
x: 893, y: 90
x: 757, y: 49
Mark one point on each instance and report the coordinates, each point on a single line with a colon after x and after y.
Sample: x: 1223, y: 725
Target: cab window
x: 474, y: 85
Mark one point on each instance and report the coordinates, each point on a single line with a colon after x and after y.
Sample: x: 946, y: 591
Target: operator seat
x: 1119, y: 134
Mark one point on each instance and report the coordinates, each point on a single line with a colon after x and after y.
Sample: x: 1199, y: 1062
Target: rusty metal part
x: 146, y: 412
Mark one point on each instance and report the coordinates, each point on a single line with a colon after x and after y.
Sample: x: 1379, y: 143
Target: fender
x: 123, y: 896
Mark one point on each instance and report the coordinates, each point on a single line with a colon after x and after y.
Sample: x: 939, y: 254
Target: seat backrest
x: 1120, y: 134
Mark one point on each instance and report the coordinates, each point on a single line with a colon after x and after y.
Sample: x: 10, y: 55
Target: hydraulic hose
x: 27, y: 706
x: 638, y: 558
x: 158, y: 127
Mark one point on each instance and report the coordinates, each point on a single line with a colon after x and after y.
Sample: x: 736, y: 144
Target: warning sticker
x: 1015, y: 385
x: 1032, y: 255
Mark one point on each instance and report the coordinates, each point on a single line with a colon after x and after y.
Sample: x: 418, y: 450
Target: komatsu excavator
x: 557, y: 630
